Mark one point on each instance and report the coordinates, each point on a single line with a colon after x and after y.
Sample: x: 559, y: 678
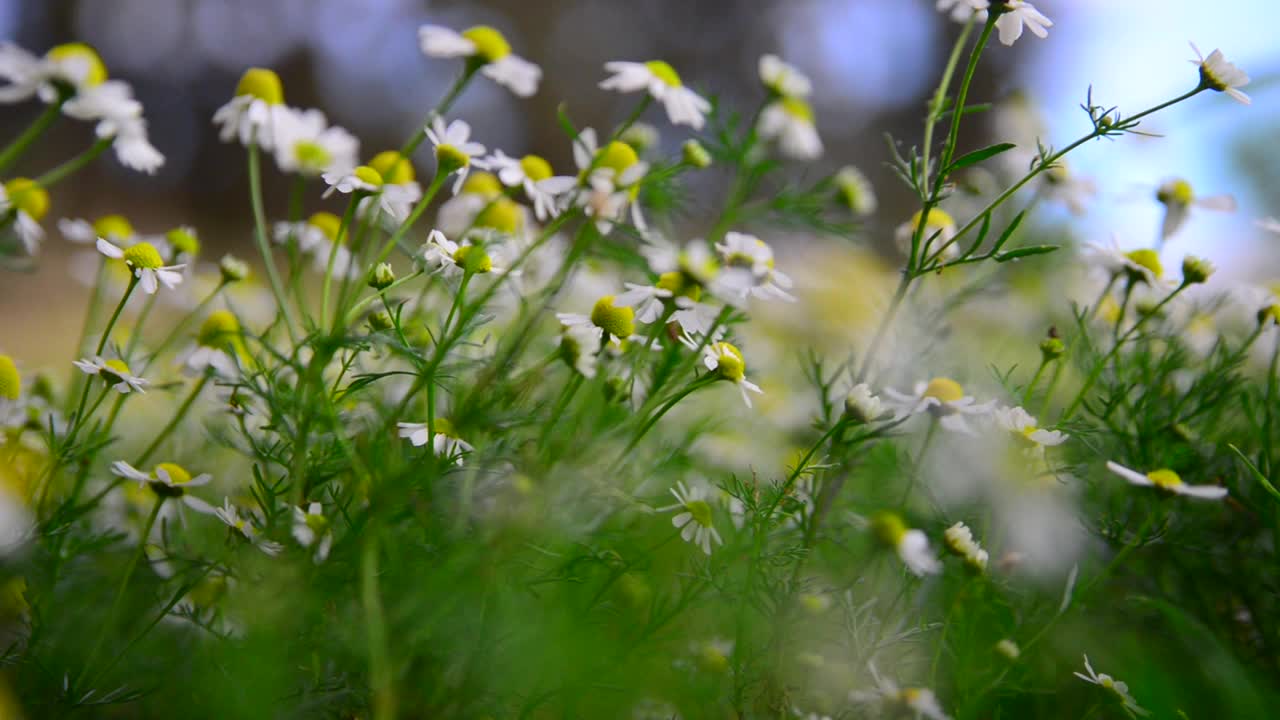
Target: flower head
x: 168, y: 480
x: 257, y: 111
x: 1118, y: 689
x: 1167, y: 481
x: 488, y: 48
x: 855, y: 190
x: 1218, y: 74
x: 911, y: 545
x: 727, y: 363
x: 781, y: 78
x: 147, y: 265
x: 455, y: 153
x: 533, y: 174
x: 941, y: 397
x: 29, y: 202
x: 748, y: 269
x: 958, y: 539
x: 1022, y: 425
x: 662, y: 82
x: 306, y: 144
x: 1014, y: 15
x: 861, y: 405
x: 789, y: 121
x: 230, y: 515
x: 115, y: 372
x: 912, y: 701
x: 694, y: 516
x: 1178, y: 197
x: 445, y: 442
x: 312, y: 530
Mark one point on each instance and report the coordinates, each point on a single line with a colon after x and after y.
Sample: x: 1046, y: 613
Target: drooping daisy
x: 230, y: 515
x: 941, y: 397
x: 1218, y: 74
x: 580, y: 347
x: 789, y: 121
x: 534, y: 175
x: 748, y: 269
x: 911, y: 545
x: 1023, y: 426
x: 455, y: 153
x: 217, y: 345
x: 614, y: 320
x: 939, y: 229
x: 115, y: 372
x: 1117, y: 688
x: 662, y: 82
x: 782, y: 78
x: 359, y: 179
x: 445, y: 442
x: 1167, y: 481
x: 131, y: 144
x: 920, y: 702
x: 727, y: 362
x: 958, y: 539
x: 855, y: 190
x: 257, y: 111
x: 861, y: 405
x: 145, y: 262
x: 168, y: 480
x: 115, y: 228
x: 1178, y: 197
x: 1019, y: 13
x: 486, y: 47
x: 29, y: 203
x: 71, y: 68
x: 311, y: 529
x: 694, y: 516
x: 308, y: 145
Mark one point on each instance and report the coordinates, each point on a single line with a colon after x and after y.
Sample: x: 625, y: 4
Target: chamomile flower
x: 911, y: 545
x: 1167, y: 481
x: 115, y: 372
x: 533, y: 174
x: 1178, y: 197
x: 939, y: 229
x: 1117, y: 688
x: 71, y: 68
x: 861, y: 405
x: 1022, y: 425
x: 486, y: 47
x: 115, y: 228
x: 131, y: 144
x: 920, y: 702
x: 580, y: 347
x: 1141, y: 265
x: 145, y: 262
x: 941, y: 397
x: 1218, y: 74
x: 693, y: 516
x: 310, y: 235
x: 1015, y: 15
x: 230, y: 515
x: 782, y: 78
x: 726, y: 361
x: 455, y: 152
x: 359, y: 179
x: 311, y: 529
x: 789, y: 121
x: 855, y: 190
x: 448, y: 258
x: 649, y: 301
x: 168, y: 480
x: 398, y: 192
x: 958, y: 539
x: 613, y: 174
x: 662, y: 82
x: 308, y: 145
x: 965, y: 10
x: 613, y: 320
x: 445, y: 442
x: 217, y: 344
x: 257, y: 111
x: 29, y: 203
x: 748, y: 269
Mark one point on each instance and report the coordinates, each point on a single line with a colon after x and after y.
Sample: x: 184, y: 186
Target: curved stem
x: 74, y: 165
x: 37, y: 128
x: 260, y: 234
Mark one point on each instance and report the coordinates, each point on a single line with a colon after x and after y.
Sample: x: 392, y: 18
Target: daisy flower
x: 613, y: 320
x: 115, y: 228
x: 747, y: 268
x: 941, y: 397
x: 256, y: 113
x: 399, y: 190
x: 920, y: 702
x: 359, y: 179
x: 454, y: 150
x: 662, y: 82
x: 533, y: 174
x: 861, y: 405
x: 1023, y: 426
x: 29, y: 203
x: 311, y: 529
x: 72, y: 67
x: 911, y: 545
x: 727, y: 362
x: 306, y: 144
x: 613, y: 174
x: 217, y: 344
x: 958, y: 539
x: 486, y: 47
x: 168, y: 480
x: 964, y: 10
x: 693, y: 516
x: 144, y: 260
x: 1142, y: 265
x: 649, y: 301
x: 1178, y: 197
x: 789, y: 121
x: 444, y: 256
x: 1167, y: 481
x: 782, y: 78
x: 445, y: 442
x: 580, y: 347
x: 230, y: 515
x: 132, y: 146
x: 855, y: 190
x: 939, y: 229
x: 1117, y: 688
x: 1019, y: 13
x: 1218, y: 74
x: 115, y: 372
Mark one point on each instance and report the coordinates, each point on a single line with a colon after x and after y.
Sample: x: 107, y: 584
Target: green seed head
x: 680, y: 285
x: 380, y: 321
x: 1269, y: 314
x: 319, y: 524
x: 1148, y: 259
x: 115, y: 370
x: 1051, y: 349
x: 620, y: 322
x: 450, y: 159
x: 664, y: 72
x: 10, y: 379
x: 219, y: 330
x: 113, y: 227
x: 177, y: 474
x: 28, y: 196
x: 393, y: 167
x: 366, y: 174
x: 262, y: 84
x: 312, y: 155
x: 490, y: 44
x: 95, y: 72
x: 442, y: 426
x: 143, y: 256
x: 798, y: 109
x: 1164, y: 479
x: 1175, y: 192
x: 944, y: 390
x: 700, y: 510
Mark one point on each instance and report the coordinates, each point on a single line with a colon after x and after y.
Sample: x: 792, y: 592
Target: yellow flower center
x: 713, y: 659
x: 1210, y: 80
x: 1164, y: 479
x: 729, y: 362
x: 85, y: 60
x: 617, y: 321
x: 798, y: 109
x: 473, y: 259
x: 10, y: 379
x: 327, y: 223
x: 679, y: 285
x: 116, y: 370
x: 888, y: 527
x: 113, y: 226
x: 450, y: 159
x: 27, y: 195
x: 490, y: 44
x: 483, y: 184
x: 1175, y: 192
x: 664, y: 72
x: 219, y: 329
x: 1148, y: 259
x: 366, y: 174
x: 393, y: 167
x: 262, y: 84
x: 183, y: 240
x: 535, y: 168
x: 503, y: 215
x: 143, y: 255
x: 938, y: 219
x: 312, y: 155
x: 442, y: 426
x: 944, y: 390
x: 177, y: 475
x: 617, y: 156
x: 318, y: 523
x: 701, y: 512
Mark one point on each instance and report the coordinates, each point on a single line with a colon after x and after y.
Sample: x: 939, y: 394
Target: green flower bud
x: 380, y: 321
x: 233, y: 269
x: 382, y: 276
x: 1052, y: 349
x: 695, y: 154
x: 1196, y: 270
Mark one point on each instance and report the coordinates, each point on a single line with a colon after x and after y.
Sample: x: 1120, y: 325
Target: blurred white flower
x: 789, y: 121
x: 918, y: 701
x: 694, y: 516
x: 782, y: 78
x: 1119, y: 689
x: 1178, y: 197
x: 1218, y: 74
x: 943, y: 398
x: 168, y: 480
x: 455, y: 152
x: 308, y: 145
x: 115, y: 372
x: 534, y: 175
x: 489, y: 48
x: 748, y: 269
x: 662, y: 82
x: 230, y: 515
x: 311, y: 529
x: 1167, y: 481
x: 256, y: 112
x: 445, y: 442
x: 1019, y: 13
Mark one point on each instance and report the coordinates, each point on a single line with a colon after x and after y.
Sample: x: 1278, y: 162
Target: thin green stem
x: 106, y: 333
x: 940, y: 97
x: 180, y: 325
x: 381, y: 680
x: 403, y: 229
x: 74, y: 165
x: 33, y: 132
x: 343, y: 232
x: 260, y: 235
x: 441, y: 108
x: 173, y: 422
x: 1035, y: 380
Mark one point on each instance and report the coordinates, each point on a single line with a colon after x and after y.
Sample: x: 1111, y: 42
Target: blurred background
x: 873, y: 63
